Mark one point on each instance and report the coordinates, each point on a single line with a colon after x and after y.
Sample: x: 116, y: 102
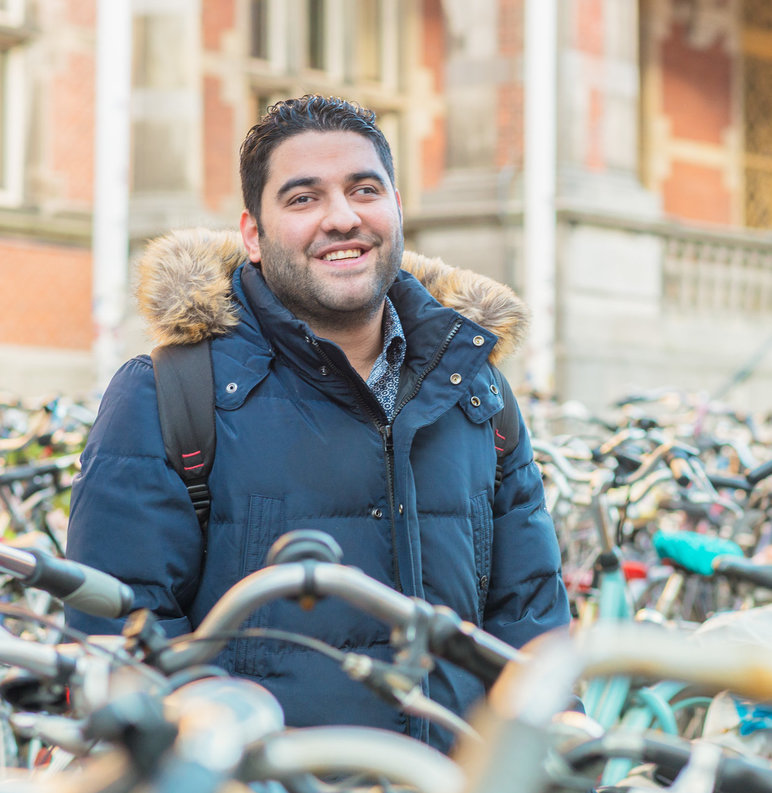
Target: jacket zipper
x: 384, y: 431
x: 440, y: 351
x: 388, y: 453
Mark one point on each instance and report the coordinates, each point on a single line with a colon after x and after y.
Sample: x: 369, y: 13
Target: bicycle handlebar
x: 522, y: 703
x: 561, y: 462
x: 742, y: 569
x: 19, y: 473
x: 78, y: 585
x: 760, y: 472
x: 449, y: 637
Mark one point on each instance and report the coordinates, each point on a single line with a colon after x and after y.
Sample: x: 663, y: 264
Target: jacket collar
x: 185, y: 292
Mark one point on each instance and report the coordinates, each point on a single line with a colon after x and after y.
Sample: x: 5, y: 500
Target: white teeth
x: 352, y: 253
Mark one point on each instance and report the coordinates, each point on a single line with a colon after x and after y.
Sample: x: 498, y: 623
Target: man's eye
x: 366, y: 189
x: 301, y: 199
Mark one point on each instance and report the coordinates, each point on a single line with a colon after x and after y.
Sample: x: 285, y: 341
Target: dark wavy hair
x: 313, y: 113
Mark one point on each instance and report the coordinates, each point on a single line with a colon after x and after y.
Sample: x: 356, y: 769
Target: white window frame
x: 13, y: 149
x: 13, y: 15
x: 304, y: 33
x: 182, y: 104
x: 279, y: 13
x: 336, y: 61
x: 390, y: 67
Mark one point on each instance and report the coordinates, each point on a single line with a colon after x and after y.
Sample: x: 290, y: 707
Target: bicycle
x: 306, y: 565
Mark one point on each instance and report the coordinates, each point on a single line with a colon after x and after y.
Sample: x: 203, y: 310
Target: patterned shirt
x: 384, y: 377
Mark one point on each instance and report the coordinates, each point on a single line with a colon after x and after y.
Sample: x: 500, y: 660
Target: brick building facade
x: 660, y: 207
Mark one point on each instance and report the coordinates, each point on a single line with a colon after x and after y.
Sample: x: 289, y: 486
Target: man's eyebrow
x: 314, y: 181
x: 300, y: 181
x: 364, y: 176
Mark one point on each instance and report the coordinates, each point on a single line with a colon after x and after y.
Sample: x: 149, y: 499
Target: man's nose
x: 340, y: 215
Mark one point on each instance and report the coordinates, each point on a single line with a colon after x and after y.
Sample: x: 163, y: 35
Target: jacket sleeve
x: 130, y: 513
x: 526, y: 594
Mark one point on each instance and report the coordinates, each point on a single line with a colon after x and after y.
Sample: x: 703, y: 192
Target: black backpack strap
x: 185, y: 390
x: 506, y: 425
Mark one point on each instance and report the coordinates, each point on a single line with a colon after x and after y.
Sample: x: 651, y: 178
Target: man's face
x: 330, y: 232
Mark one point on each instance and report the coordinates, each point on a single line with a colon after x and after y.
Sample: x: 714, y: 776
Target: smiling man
x: 327, y: 233
x: 355, y: 393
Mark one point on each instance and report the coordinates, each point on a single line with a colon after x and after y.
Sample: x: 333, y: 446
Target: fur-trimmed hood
x: 183, y: 290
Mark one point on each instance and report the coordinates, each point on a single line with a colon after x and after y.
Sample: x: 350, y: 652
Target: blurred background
x: 611, y: 160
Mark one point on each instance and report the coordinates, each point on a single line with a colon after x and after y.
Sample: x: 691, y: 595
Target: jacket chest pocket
x: 265, y: 524
x: 482, y: 531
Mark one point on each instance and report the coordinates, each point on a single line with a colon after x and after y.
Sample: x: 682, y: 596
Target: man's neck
x: 361, y: 344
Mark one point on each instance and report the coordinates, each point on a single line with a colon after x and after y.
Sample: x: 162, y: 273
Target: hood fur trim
x: 487, y: 302
x: 183, y: 290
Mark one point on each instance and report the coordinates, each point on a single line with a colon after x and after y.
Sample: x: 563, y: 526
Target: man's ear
x: 250, y: 236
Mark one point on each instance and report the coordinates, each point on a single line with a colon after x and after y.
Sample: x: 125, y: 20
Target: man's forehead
x: 313, y: 153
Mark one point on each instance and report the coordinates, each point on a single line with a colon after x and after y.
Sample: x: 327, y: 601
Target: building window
x: 316, y: 44
x: 12, y: 99
x: 3, y: 118
x: 259, y: 22
x: 757, y: 102
x: 12, y: 13
x: 164, y: 104
x: 368, y: 40
x: 260, y: 102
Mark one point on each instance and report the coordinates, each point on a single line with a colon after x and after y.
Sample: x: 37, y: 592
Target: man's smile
x: 349, y: 253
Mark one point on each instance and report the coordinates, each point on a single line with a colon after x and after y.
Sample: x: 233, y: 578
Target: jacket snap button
x: 232, y: 387
x: 475, y: 401
x: 323, y: 370
x: 484, y: 582
x: 376, y: 512
x: 478, y: 341
x: 401, y: 508
x: 494, y: 389
x: 455, y: 378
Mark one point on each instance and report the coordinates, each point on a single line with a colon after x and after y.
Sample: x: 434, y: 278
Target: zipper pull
x: 388, y: 441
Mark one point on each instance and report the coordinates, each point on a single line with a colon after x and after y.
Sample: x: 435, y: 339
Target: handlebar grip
x: 680, y: 468
x: 627, y: 461
x: 80, y: 586
x: 760, y: 472
x: 724, y: 482
x: 470, y: 648
x: 742, y: 569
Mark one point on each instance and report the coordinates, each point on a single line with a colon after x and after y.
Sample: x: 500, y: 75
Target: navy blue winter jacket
x: 300, y: 444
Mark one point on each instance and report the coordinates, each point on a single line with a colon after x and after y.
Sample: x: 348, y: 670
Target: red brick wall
x: 594, y: 159
x: 220, y: 166
x: 696, y: 88
x: 696, y: 99
x: 696, y: 192
x: 433, y: 147
x: 509, y: 146
x: 589, y: 22
x: 589, y: 39
x: 46, y: 296
x: 82, y: 12
x: 217, y: 17
x: 71, y: 132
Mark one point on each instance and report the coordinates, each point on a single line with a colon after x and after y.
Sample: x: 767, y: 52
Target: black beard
x: 297, y: 290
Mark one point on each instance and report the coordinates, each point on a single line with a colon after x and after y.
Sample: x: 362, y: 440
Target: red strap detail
x: 190, y: 454
x: 193, y: 467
